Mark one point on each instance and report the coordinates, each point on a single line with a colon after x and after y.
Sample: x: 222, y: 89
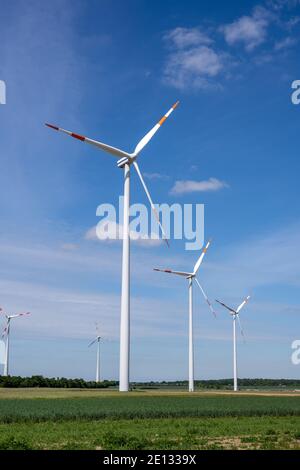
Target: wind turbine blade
x: 200, y: 259
x: 94, y: 341
x: 169, y: 271
x: 4, y: 332
x: 242, y: 304
x: 206, y: 298
x: 19, y: 315
x: 226, y: 306
x: 150, y: 200
x: 107, y: 148
x: 240, y: 325
x: 144, y: 141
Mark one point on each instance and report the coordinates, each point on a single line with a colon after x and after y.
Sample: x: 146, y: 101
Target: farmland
x: 93, y: 419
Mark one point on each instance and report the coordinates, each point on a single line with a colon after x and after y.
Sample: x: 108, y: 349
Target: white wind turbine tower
x: 191, y: 277
x: 97, y: 339
x: 125, y: 161
x: 6, y: 333
x: 235, y: 317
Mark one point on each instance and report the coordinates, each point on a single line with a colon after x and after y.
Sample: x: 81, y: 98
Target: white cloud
x: 111, y: 231
x: 57, y: 311
x: 189, y: 186
x: 292, y: 22
x: 250, y: 30
x: 263, y: 59
x: 156, y: 176
x: 285, y: 43
x: 187, y: 37
x: 193, y: 61
x: 196, y: 68
x: 61, y: 311
x: 264, y: 267
x: 278, y: 5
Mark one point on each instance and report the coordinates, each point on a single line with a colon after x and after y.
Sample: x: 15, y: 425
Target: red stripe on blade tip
x: 77, y: 136
x: 52, y: 127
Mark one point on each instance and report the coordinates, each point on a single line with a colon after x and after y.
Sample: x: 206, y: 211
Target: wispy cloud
x: 187, y: 37
x: 156, y: 176
x: 63, y: 312
x: 242, y: 269
x: 198, y: 60
x: 285, y: 43
x: 249, y: 30
x: 36, y: 28
x: 292, y: 22
x: 192, y: 61
x: 269, y: 259
x: 190, y: 186
x: 280, y: 4
x: 111, y: 231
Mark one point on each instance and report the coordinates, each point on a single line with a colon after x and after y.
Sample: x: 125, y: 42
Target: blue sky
x: 109, y: 70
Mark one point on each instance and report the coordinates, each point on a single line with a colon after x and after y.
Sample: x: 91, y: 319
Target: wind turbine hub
x: 125, y: 161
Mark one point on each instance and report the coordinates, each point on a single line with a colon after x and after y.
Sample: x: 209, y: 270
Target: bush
x: 124, y: 441
x: 12, y: 443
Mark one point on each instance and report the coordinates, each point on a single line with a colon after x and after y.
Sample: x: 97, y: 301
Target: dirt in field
x: 250, y: 442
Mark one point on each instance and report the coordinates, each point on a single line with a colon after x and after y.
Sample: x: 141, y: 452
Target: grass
x: 165, y: 434
x: 130, y: 407
x: 147, y: 420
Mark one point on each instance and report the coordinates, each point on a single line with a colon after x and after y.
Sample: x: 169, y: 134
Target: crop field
x: 68, y: 419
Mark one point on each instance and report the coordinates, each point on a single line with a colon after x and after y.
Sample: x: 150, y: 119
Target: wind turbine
x: 97, y: 339
x: 6, y: 333
x: 235, y: 317
x: 125, y: 161
x: 191, y: 277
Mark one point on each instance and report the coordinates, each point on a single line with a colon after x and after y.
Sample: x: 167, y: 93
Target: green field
x: 66, y: 419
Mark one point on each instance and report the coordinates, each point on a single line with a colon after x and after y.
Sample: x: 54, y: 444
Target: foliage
x: 164, y: 434
x: 59, y: 382
x: 132, y: 407
x: 221, y: 384
x: 11, y: 443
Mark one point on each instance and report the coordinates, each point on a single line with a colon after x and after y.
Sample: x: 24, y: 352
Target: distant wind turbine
x: 97, y: 339
x: 235, y: 317
x: 191, y: 277
x: 6, y: 333
x: 125, y: 161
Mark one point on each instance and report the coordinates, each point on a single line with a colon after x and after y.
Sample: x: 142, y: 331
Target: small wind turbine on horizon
x: 125, y: 161
x: 191, y: 277
x: 97, y: 339
x: 235, y: 317
x: 6, y: 333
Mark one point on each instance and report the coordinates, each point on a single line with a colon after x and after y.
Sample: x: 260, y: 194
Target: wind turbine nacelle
x: 125, y: 160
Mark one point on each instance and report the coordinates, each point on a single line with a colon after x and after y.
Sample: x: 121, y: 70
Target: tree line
x: 220, y: 384
x: 223, y: 384
x: 52, y: 382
